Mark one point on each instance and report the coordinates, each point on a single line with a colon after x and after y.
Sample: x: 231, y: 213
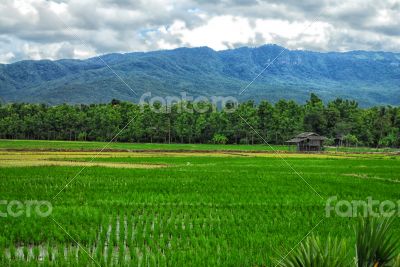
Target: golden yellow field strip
x: 24, y: 159
x: 39, y: 155
x: 42, y: 158
x: 21, y: 155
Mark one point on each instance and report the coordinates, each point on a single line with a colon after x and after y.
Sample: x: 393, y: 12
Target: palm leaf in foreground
x: 396, y: 262
x: 315, y: 253
x: 375, y: 245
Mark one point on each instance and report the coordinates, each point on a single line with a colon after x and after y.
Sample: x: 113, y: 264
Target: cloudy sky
x: 37, y: 29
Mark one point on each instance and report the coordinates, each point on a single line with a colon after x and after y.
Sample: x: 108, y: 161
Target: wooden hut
x: 308, y: 141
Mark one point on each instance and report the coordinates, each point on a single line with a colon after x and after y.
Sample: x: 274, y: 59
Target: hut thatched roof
x: 306, y: 136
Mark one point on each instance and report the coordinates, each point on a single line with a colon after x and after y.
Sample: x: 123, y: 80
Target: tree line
x: 246, y: 123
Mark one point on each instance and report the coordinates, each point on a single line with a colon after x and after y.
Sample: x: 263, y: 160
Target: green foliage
x: 219, y: 139
x: 396, y: 262
x: 82, y: 136
x: 376, y: 127
x: 375, y: 245
x: 391, y: 140
x: 316, y: 253
x: 350, y: 139
x: 329, y: 142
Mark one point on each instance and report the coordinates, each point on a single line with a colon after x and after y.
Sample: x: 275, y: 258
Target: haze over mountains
x: 371, y: 78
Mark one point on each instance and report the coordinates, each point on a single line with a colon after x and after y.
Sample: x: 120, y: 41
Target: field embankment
x: 44, y: 145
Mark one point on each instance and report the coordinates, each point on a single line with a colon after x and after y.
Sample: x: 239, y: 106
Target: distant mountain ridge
x: 371, y: 78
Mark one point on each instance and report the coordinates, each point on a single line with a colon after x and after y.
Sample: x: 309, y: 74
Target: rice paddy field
x: 85, y: 146
x: 168, y: 206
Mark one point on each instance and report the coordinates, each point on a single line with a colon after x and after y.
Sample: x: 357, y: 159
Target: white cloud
x: 214, y: 33
x: 35, y: 29
x: 6, y: 57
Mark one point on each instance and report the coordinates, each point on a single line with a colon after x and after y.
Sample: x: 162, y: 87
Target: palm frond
x: 396, y: 262
x: 374, y: 244
x: 315, y: 253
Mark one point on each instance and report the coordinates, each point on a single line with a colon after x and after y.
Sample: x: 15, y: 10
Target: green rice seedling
x: 90, y: 248
x: 50, y: 255
x: 121, y: 252
x: 133, y: 255
x: 153, y: 260
x: 114, y: 232
x: 60, y: 257
x: 139, y: 235
x: 66, y: 250
x: 13, y: 252
x: 102, y: 261
x: 2, y: 255
x: 110, y: 252
x: 99, y: 251
x: 36, y: 252
x: 25, y: 252
x: 83, y: 258
x: 129, y: 229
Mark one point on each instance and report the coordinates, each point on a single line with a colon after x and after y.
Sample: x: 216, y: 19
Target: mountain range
x: 371, y: 78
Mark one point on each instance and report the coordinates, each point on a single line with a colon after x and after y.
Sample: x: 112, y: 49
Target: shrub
x: 219, y: 139
x: 375, y: 245
x: 314, y: 252
x: 351, y: 139
x: 244, y: 141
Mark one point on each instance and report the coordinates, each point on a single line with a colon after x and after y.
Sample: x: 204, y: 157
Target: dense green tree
x: 266, y: 120
x: 200, y: 122
x: 314, y: 119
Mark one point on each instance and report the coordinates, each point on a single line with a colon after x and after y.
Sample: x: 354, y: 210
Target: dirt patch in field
x: 32, y: 163
x: 365, y: 176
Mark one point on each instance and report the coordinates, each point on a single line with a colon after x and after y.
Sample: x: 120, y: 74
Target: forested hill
x: 371, y: 78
